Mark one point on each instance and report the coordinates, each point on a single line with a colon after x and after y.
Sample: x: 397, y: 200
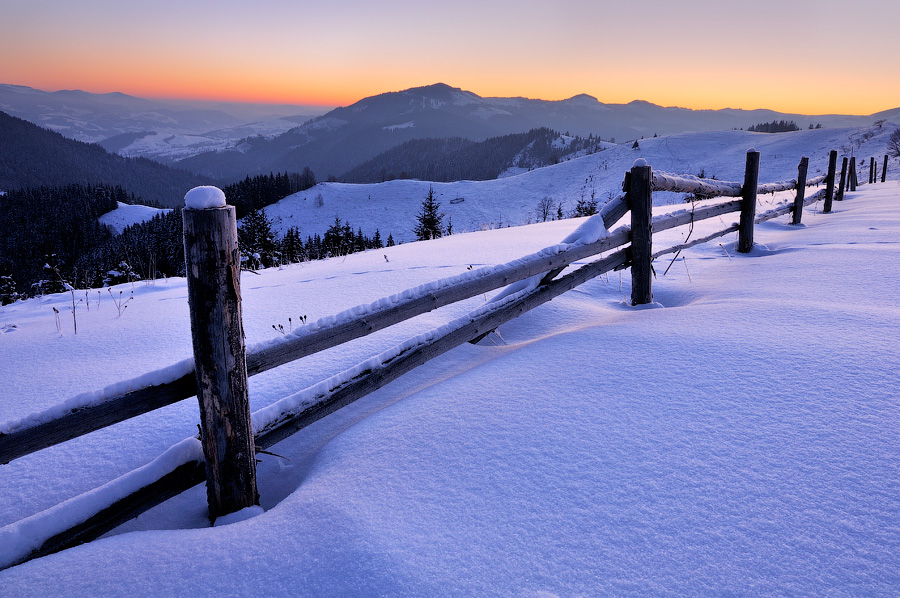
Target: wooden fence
x: 630, y: 245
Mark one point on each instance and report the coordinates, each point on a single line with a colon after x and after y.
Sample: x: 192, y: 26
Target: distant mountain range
x: 31, y: 156
x: 227, y: 142
x: 159, y: 129
x: 344, y: 138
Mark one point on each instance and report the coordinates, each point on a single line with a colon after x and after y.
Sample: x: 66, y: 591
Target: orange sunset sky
x: 807, y: 56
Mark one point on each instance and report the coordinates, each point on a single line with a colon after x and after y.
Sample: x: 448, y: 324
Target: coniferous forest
x: 51, y: 239
x: 34, y: 157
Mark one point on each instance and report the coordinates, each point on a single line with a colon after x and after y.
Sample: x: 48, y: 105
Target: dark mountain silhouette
x: 454, y: 158
x: 344, y: 138
x: 33, y: 157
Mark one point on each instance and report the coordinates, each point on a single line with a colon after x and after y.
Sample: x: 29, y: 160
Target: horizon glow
x: 793, y: 57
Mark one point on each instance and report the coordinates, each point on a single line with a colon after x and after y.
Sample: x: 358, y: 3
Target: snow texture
x: 204, y: 198
x: 739, y: 439
x: 126, y: 215
x: 590, y: 231
x: 19, y: 539
x: 87, y: 399
x: 512, y: 200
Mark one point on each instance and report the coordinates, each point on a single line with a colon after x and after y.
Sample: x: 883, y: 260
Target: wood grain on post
x: 840, y: 191
x: 853, y: 180
x: 640, y: 203
x: 748, y: 202
x: 801, y: 189
x: 213, y: 278
x: 872, y: 172
x: 829, y: 181
x: 884, y: 169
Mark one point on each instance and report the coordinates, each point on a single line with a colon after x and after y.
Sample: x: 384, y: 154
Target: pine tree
x: 430, y: 219
x: 8, y: 293
x: 257, y: 240
x: 585, y: 207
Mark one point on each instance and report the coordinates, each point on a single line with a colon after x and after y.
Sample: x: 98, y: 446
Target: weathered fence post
x: 213, y: 270
x: 640, y: 202
x: 853, y: 180
x: 829, y: 181
x: 840, y: 191
x: 801, y: 189
x: 884, y: 169
x: 872, y: 172
x: 748, y: 203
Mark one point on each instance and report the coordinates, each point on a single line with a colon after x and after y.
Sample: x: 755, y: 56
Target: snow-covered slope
x: 736, y: 437
x: 160, y: 129
x: 126, y: 215
x: 346, y: 137
x: 391, y: 207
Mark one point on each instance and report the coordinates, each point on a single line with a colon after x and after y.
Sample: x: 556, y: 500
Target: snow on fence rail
x: 49, y: 532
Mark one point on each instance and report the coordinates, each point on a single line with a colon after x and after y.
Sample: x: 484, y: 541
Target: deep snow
x: 391, y: 207
x: 126, y: 215
x: 737, y: 436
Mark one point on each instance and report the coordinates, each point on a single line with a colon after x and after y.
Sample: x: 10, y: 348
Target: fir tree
x: 257, y: 240
x: 430, y: 219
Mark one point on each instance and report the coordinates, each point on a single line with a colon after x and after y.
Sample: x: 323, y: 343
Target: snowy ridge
x: 126, y: 215
x: 91, y: 398
x: 788, y: 185
x: 788, y: 207
x: 681, y: 183
x: 390, y: 206
x: 19, y: 539
x: 723, y: 470
x: 590, y: 231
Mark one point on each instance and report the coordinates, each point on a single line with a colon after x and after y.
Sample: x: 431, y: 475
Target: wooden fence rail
x: 28, y: 439
x: 627, y: 243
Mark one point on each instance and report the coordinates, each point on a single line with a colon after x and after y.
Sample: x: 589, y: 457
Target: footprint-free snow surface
x: 740, y: 436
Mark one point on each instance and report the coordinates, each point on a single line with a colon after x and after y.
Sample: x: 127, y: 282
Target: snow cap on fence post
x: 204, y: 197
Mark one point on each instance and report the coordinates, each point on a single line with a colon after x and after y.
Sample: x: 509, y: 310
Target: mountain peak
x: 582, y: 99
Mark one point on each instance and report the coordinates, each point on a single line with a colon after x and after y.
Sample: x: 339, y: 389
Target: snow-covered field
x: 391, y: 207
x: 739, y: 436
x: 126, y: 215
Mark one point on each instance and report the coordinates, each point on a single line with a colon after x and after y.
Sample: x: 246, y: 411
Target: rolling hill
x: 31, y: 156
x: 346, y: 137
x: 391, y: 207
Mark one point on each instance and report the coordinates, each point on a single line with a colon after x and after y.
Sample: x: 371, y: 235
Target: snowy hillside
x: 159, y: 129
x: 738, y: 436
x: 391, y: 207
x: 126, y: 215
